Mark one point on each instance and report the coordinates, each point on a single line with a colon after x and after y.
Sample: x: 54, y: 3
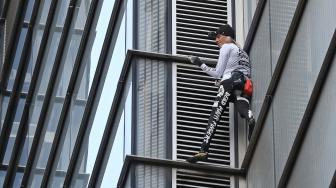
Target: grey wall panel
x: 261, y: 170
x: 260, y: 57
x: 317, y: 159
x: 299, y: 75
x: 281, y: 15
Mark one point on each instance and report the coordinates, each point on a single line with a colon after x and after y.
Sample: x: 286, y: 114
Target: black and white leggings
x: 229, y: 90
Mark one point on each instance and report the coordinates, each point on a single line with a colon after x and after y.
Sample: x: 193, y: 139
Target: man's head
x: 224, y: 34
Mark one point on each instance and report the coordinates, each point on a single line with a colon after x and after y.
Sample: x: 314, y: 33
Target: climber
x: 233, y: 70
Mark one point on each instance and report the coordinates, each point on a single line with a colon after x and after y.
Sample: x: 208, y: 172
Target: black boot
x: 200, y: 156
x: 251, y: 125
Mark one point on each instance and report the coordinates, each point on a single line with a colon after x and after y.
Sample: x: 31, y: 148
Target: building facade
x: 294, y: 147
x: 101, y: 94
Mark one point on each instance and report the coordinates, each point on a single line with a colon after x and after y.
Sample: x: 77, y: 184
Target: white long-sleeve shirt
x: 231, y: 58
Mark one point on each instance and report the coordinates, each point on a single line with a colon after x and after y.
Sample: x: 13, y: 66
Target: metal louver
x: 195, y: 95
x: 195, y: 91
x: 194, y: 20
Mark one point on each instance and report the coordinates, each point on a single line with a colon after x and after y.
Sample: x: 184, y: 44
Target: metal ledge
x: 131, y: 160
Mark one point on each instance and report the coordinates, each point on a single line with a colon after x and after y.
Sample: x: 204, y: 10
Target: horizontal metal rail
x: 108, y: 135
x: 131, y: 160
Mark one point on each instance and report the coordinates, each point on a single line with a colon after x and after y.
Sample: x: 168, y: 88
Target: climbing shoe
x: 200, y: 156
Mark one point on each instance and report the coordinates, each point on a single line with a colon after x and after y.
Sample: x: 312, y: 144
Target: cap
x: 226, y: 30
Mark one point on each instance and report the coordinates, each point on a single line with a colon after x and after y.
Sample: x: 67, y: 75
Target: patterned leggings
x: 229, y: 90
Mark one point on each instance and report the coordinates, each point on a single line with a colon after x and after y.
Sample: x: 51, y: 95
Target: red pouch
x: 248, y: 87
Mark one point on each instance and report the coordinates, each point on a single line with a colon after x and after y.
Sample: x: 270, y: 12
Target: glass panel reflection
x: 4, y: 106
x: 16, y: 60
x: 116, y: 159
x: 59, y: 93
x: 47, y: 64
x: 80, y: 95
x: 109, y: 87
x: 106, y: 98
x: 2, y: 177
x: 29, y: 10
x: 14, y: 131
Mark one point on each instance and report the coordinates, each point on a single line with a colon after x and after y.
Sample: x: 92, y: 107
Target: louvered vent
x: 195, y: 95
x: 196, y: 179
x: 194, y: 20
x: 195, y: 91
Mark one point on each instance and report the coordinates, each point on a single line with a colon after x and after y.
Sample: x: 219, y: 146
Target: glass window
x: 29, y: 10
x: 69, y: 54
x: 45, y: 10
x: 116, y: 159
x: 18, y: 178
x: 128, y: 123
x: 105, y: 103
x: 14, y: 131
x: 80, y: 95
x: 122, y: 140
x: 4, y: 106
x: 2, y: 177
x: 62, y: 12
x: 16, y: 60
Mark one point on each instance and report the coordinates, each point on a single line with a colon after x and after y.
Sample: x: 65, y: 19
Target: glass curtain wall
x: 115, y: 61
x: 152, y: 125
x: 296, y: 82
x: 59, y: 93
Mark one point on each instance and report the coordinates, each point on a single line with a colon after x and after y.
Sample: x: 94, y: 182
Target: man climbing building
x: 234, y: 71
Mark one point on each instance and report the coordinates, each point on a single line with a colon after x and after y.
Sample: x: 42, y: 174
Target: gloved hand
x: 195, y: 60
